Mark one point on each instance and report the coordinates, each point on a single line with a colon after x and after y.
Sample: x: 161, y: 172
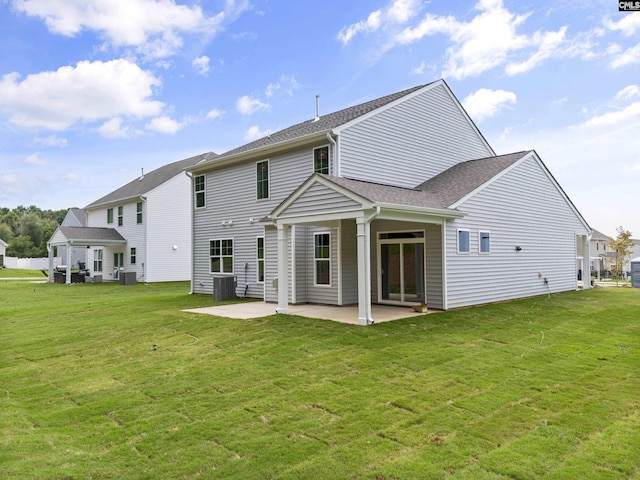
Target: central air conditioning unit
x: 224, y: 288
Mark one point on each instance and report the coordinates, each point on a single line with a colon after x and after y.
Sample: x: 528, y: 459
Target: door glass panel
x: 413, y: 266
x: 391, y: 286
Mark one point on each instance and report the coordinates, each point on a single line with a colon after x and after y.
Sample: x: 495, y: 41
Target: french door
x: 401, y: 268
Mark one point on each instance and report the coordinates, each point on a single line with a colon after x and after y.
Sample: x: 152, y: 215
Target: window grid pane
x: 199, y: 191
x: 262, y: 177
x: 321, y: 160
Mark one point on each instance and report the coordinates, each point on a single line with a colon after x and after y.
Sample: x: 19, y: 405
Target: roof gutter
x: 429, y: 211
x: 261, y: 151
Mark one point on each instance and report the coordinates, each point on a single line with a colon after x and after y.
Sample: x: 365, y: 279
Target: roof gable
x: 86, y: 236
x: 149, y: 181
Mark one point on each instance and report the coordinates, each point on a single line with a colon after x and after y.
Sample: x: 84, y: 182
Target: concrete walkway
x: 349, y: 314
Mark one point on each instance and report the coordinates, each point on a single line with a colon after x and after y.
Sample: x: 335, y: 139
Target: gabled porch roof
x: 86, y: 236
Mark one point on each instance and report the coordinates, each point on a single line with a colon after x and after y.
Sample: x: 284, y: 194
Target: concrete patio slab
x: 348, y: 314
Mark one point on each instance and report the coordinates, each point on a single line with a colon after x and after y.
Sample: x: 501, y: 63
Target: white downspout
x: 145, y: 225
x: 336, y: 162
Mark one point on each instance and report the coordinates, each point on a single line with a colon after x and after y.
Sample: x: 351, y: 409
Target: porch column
x: 68, y: 277
x: 50, y: 272
x: 586, y: 262
x: 283, y: 269
x: 363, y: 235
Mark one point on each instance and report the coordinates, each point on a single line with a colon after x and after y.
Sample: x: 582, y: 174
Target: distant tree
x: 622, y: 245
x: 22, y: 246
x: 27, y: 229
x: 6, y: 233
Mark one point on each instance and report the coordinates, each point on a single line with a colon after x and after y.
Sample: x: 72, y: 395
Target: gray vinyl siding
x: 319, y: 199
x: 301, y: 235
x: 231, y: 196
x: 522, y: 208
x: 433, y: 237
x: 410, y: 142
x: 349, y: 261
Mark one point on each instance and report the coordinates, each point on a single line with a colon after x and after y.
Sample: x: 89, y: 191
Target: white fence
x: 30, y: 263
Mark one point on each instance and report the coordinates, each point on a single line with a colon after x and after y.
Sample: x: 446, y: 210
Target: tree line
x: 27, y: 230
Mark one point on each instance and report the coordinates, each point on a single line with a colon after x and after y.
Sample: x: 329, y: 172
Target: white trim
x: 233, y: 256
x: 414, y: 240
x: 258, y: 260
x: 316, y: 259
x: 204, y: 192
x: 480, y: 232
x: 445, y: 285
x: 313, y: 157
x: 461, y: 252
x: 268, y: 197
x: 294, y: 277
x: 339, y: 260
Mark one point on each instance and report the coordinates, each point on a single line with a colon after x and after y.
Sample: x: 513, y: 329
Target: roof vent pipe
x: 141, y: 174
x: 317, y: 108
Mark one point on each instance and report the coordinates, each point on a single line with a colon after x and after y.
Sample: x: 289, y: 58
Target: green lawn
x: 20, y: 273
x: 544, y: 388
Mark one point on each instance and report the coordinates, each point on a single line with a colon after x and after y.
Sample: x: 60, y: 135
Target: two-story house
x: 143, y: 227
x: 398, y: 201
x: 599, y: 250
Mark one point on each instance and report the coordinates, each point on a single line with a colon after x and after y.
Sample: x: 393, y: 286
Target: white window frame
x: 121, y: 215
x: 197, y: 192
x: 321, y: 259
x: 468, y: 250
x: 268, y: 179
x: 133, y: 255
x: 480, y: 233
x: 313, y: 162
x: 98, y: 261
x: 260, y: 260
x: 222, y: 256
x: 139, y: 213
x: 110, y: 216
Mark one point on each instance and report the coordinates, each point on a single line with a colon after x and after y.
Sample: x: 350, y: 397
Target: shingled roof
x: 322, y: 124
x: 151, y: 180
x: 91, y: 234
x: 441, y: 191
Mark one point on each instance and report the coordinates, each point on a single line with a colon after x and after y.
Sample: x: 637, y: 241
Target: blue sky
x: 91, y: 92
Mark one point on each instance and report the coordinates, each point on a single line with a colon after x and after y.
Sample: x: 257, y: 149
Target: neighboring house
x: 635, y: 254
x: 599, y: 250
x: 142, y: 227
x: 75, y: 217
x: 3, y: 251
x: 399, y: 201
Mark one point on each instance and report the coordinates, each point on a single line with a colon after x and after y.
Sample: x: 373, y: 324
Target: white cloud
x: 88, y: 92
x: 628, y: 92
x: 201, y: 64
x: 247, y: 105
x: 113, y: 128
x: 486, y: 103
x: 51, y: 141
x: 34, y: 159
x: 165, y: 125
x: 548, y: 46
x: 627, y: 114
x: 630, y: 56
x: 628, y: 24
x: 215, y: 113
x: 287, y: 83
x: 153, y: 27
x: 398, y: 12
x: 254, y: 133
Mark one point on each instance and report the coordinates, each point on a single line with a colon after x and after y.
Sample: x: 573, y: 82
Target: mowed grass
x: 21, y: 273
x: 543, y: 388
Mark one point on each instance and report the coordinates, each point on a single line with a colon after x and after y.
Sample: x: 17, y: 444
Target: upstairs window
x: 322, y: 258
x: 463, y: 241
x: 321, y: 160
x: 262, y: 179
x: 139, y: 212
x: 109, y: 215
x: 221, y: 255
x: 120, y: 216
x: 198, y: 190
x: 485, y: 242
